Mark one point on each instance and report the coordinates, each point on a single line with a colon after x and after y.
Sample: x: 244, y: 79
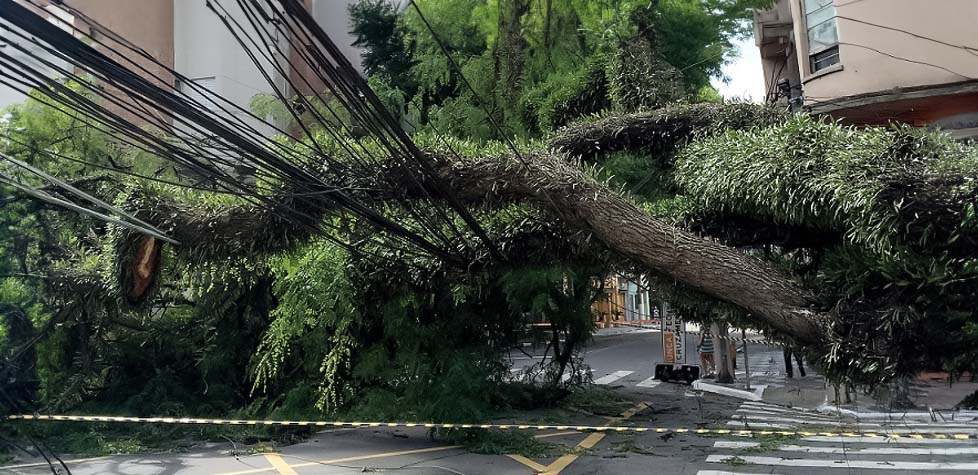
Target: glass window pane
x: 822, y: 36
x: 825, y: 59
x: 819, y: 16
x: 812, y: 5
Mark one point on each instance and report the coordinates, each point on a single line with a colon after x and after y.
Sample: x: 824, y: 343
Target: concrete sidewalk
x: 770, y: 383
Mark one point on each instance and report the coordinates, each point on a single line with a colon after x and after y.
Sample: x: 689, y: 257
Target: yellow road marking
x: 588, y: 442
x: 529, y: 463
x: 629, y: 413
x: 279, y: 465
x: 591, y: 441
x: 347, y: 459
x: 564, y: 461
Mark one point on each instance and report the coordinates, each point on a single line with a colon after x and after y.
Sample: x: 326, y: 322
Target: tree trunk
x: 724, y: 362
x: 722, y: 272
x: 555, y: 184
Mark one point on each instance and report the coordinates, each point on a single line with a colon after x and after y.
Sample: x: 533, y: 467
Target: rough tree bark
x: 723, y: 357
x: 558, y: 184
x: 555, y: 183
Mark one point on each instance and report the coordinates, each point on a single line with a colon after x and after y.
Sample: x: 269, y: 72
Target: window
x: 823, y: 34
x: 198, y: 93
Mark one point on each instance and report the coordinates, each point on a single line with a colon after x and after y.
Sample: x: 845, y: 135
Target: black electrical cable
x: 358, y: 85
x: 268, y: 45
x: 177, y: 106
x: 458, y: 70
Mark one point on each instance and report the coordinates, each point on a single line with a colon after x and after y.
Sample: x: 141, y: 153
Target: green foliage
x: 640, y: 80
x: 536, y: 66
x: 386, y: 53
x: 660, y: 133
x: 505, y: 443
x: 561, y: 296
x: 316, y: 309
x: 696, y: 35
x: 901, y: 200
x: 560, y: 99
x: 817, y: 173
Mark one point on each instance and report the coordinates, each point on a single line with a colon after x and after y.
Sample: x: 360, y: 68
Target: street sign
x: 673, y: 341
x: 674, y: 367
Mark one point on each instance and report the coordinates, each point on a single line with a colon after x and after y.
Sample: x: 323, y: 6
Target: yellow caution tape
x: 535, y: 427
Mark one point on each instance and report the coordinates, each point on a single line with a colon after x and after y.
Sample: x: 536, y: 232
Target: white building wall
x: 334, y: 18
x: 205, y: 51
x: 10, y: 95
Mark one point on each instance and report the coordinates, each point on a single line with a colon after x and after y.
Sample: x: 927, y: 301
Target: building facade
x: 189, y: 37
x: 874, y: 62
x: 623, y: 301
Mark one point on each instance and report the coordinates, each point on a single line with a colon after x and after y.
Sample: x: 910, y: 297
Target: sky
x: 745, y: 74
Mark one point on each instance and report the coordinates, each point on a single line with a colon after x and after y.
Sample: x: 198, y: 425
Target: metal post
x: 743, y: 333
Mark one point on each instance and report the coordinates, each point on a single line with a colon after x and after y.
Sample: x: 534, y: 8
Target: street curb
x: 756, y: 395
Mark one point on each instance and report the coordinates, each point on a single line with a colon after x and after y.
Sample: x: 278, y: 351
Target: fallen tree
x: 556, y: 184
x: 553, y: 183
x: 661, y: 132
x: 829, y: 290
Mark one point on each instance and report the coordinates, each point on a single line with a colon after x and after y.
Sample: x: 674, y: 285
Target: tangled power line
x: 119, y: 90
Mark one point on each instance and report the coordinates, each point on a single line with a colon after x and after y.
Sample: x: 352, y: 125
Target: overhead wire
x: 141, y: 100
x: 969, y: 49
x: 355, y: 87
x: 300, y: 49
x: 96, y: 110
x: 215, y: 99
x: 85, y: 196
x: 482, y: 104
x: 908, y: 60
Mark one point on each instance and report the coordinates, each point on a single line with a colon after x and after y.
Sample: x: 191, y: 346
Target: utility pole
x: 743, y: 334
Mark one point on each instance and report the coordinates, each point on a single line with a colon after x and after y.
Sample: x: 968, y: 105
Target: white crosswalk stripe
x: 610, y: 378
x: 844, y: 464
x: 825, y: 454
x: 882, y: 440
x: 805, y: 420
x: 649, y: 383
x: 728, y: 444
x: 721, y: 472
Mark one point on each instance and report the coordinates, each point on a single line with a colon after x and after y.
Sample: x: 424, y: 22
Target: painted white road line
x: 788, y: 412
x: 860, y: 424
x: 649, y: 383
x: 959, y: 417
x: 865, y: 464
x: 891, y: 429
x: 730, y: 444
x: 798, y: 414
x: 766, y: 405
x: 608, y: 379
x: 720, y: 472
x: 883, y: 440
x: 793, y: 420
x: 758, y: 425
x: 775, y: 407
x: 755, y: 395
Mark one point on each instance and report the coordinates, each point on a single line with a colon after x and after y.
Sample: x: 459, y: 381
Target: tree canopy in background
x: 538, y: 65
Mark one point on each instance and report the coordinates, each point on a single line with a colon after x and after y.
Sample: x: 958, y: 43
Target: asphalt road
x: 412, y: 451
x: 633, y: 351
